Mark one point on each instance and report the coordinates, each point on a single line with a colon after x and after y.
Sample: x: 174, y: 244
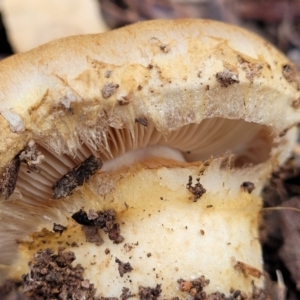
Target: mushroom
x: 157, y: 139
x: 34, y: 23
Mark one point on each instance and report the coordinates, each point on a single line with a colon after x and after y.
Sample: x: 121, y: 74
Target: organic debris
x: 197, y: 190
x: 52, y: 276
x: 80, y: 174
x: 104, y: 220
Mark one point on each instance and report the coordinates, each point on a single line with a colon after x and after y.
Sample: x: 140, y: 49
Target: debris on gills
x: 80, y: 174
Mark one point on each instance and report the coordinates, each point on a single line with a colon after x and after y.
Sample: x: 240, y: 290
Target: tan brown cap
x: 163, y: 74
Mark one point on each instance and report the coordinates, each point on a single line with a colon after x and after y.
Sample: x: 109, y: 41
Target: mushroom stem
x: 167, y: 235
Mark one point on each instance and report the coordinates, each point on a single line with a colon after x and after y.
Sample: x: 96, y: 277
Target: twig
x: 281, y: 288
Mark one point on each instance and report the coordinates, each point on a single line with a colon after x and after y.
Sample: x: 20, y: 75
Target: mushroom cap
x: 172, y: 73
x: 44, y: 21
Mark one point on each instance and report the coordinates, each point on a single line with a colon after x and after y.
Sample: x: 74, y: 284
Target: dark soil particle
x: 104, y: 220
x: 80, y: 174
x: 148, y: 293
x: 9, y: 179
x: 81, y: 218
x: 109, y: 89
x: 92, y: 235
x: 31, y: 156
x: 296, y: 103
x: 227, y: 77
x: 252, y: 70
x: 92, y: 215
x: 248, y: 186
x: 126, y: 294
x: 165, y: 48
x: 114, y: 233
x: 108, y: 73
x: 197, y: 190
x: 291, y: 74
x: 288, y: 72
x: 59, y: 228
x: 128, y: 247
x: 236, y: 293
x: 123, y: 267
x: 52, y: 276
x: 195, y: 288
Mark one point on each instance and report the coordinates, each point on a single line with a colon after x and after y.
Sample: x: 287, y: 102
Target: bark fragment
x: 70, y: 181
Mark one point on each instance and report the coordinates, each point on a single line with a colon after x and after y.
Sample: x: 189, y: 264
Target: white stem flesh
x: 157, y: 216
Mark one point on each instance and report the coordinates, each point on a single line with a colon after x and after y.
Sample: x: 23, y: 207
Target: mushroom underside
x: 248, y: 143
x: 141, y: 194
